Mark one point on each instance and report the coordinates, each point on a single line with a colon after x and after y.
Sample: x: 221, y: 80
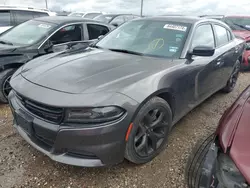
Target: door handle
x: 219, y: 63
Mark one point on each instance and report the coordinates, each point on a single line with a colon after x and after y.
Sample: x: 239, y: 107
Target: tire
x: 5, y: 76
x: 196, y: 160
x: 233, y: 79
x: 152, y: 123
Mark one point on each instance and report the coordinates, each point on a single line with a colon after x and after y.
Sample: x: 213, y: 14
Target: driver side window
x: 67, y: 34
x: 203, y: 36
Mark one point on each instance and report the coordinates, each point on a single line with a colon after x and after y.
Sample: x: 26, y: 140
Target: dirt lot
x: 23, y: 166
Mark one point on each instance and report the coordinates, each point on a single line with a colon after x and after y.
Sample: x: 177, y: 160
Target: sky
x: 151, y: 7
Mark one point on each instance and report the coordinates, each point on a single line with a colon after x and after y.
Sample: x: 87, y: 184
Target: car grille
x: 49, y: 113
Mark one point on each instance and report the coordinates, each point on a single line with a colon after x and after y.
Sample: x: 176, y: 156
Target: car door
x: 225, y: 49
x: 62, y: 36
x: 67, y: 33
x: 95, y: 30
x: 205, y: 81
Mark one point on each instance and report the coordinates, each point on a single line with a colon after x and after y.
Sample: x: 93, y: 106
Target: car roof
x: 23, y: 8
x: 118, y: 15
x: 63, y: 19
x: 181, y: 19
x: 225, y: 16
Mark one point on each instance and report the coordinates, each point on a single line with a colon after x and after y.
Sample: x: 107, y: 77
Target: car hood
x: 230, y: 120
x: 5, y: 49
x: 91, y: 71
x: 234, y: 133
x: 243, y: 34
x: 240, y: 152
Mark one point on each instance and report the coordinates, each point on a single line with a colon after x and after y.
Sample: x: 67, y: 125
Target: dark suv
x: 36, y: 37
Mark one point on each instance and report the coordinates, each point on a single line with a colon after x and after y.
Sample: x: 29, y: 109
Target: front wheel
x: 149, y: 132
x: 5, y: 87
x: 231, y: 83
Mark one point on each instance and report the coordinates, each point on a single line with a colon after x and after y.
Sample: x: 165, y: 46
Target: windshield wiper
x: 127, y: 51
x: 4, y: 42
x: 242, y: 26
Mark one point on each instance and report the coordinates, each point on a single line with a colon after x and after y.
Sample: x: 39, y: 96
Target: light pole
x: 46, y: 4
x: 141, y: 6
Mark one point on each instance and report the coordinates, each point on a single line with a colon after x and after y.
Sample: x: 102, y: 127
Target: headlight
x: 229, y: 173
x: 94, y: 115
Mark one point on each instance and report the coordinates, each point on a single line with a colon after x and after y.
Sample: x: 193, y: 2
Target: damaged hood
x: 91, y: 71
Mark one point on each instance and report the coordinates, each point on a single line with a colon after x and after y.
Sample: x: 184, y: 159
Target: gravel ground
x: 23, y: 166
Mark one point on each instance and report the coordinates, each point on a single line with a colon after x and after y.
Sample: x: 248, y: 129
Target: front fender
x: 13, y: 58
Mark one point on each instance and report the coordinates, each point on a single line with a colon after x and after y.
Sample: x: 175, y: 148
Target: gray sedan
x: 120, y: 97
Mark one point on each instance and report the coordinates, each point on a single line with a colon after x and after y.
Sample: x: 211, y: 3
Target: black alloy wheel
x: 150, y: 131
x: 5, y: 89
x: 233, y: 78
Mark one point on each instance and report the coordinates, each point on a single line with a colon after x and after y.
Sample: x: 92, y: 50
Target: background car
x: 222, y: 160
x: 11, y: 16
x: 88, y: 15
x: 36, y: 37
x: 115, y: 19
x: 241, y: 28
x: 121, y: 97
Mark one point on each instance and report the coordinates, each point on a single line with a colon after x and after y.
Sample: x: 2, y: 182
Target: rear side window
x: 222, y: 35
x: 96, y: 30
x: 39, y: 14
x: 22, y: 16
x: 203, y: 36
x: 4, y: 18
x: 118, y: 20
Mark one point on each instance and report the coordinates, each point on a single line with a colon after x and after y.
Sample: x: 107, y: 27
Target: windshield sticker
x: 173, y: 48
x: 175, y: 27
x: 45, y: 26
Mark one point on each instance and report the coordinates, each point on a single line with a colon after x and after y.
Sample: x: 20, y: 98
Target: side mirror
x: 203, y: 51
x: 48, y: 47
x: 115, y: 24
x: 100, y: 37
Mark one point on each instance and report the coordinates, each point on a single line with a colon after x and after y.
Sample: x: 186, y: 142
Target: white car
x: 11, y: 16
x: 89, y: 15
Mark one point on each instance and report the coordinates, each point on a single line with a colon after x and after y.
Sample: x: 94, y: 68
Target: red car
x: 223, y: 159
x: 241, y: 28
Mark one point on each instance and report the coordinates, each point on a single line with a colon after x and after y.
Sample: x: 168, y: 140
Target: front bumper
x: 79, y: 146
x: 211, y: 174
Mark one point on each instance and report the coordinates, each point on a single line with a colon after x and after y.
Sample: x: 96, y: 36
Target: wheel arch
x: 12, y: 65
x: 165, y: 94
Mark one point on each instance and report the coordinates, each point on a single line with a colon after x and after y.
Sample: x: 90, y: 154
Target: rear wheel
x: 196, y: 161
x: 5, y: 87
x: 149, y: 132
x: 231, y: 83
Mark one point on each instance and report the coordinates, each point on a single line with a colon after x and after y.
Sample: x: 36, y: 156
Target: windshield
x: 238, y: 23
x: 76, y: 14
x: 91, y: 15
x: 27, y: 33
x: 103, y: 18
x: 148, y: 37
